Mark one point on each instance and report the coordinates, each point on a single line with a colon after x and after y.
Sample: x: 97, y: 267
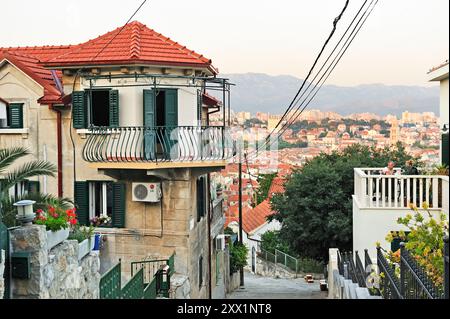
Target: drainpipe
x: 59, y: 149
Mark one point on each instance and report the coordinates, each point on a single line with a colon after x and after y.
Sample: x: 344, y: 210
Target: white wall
x: 372, y: 225
x: 131, y: 100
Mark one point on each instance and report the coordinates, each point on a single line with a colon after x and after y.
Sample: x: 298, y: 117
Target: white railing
x: 374, y: 190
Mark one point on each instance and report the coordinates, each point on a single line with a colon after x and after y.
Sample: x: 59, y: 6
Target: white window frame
x: 92, y: 208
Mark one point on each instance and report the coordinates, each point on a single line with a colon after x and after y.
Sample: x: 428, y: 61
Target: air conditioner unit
x: 146, y: 192
x: 220, y: 242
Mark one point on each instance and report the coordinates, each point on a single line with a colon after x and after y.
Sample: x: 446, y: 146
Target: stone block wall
x: 55, y: 273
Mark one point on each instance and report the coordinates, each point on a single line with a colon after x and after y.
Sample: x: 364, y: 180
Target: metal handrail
x: 390, y: 282
x: 158, y: 144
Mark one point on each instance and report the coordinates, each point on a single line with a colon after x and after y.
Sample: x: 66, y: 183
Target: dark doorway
x: 100, y: 108
x: 160, y: 108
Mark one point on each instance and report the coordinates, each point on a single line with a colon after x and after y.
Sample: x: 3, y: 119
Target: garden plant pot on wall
x: 83, y: 248
x: 56, y: 237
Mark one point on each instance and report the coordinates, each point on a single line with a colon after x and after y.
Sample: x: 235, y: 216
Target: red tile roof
x: 28, y: 59
x: 276, y: 187
x: 134, y: 43
x: 256, y: 217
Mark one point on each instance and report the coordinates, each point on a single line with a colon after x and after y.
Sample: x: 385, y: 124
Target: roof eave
x: 90, y: 64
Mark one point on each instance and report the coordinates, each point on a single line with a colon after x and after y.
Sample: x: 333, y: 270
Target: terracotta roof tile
x: 135, y: 44
x: 256, y: 217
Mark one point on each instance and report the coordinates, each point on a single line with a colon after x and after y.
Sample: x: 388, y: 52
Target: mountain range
x: 257, y: 92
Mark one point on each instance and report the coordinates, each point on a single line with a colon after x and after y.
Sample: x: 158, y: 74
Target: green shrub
x: 238, y: 256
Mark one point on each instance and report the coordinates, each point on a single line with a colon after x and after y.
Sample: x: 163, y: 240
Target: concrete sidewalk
x: 257, y: 287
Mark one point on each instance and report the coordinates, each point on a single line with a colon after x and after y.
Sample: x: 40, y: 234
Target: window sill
x: 15, y: 131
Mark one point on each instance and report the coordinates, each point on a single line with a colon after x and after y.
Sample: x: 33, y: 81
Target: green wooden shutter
x: 114, y: 108
x: 81, y: 197
x: 445, y: 150
x: 171, y: 106
x: 33, y: 187
x: 79, y: 111
x: 149, y: 123
x: 15, y: 115
x: 119, y: 207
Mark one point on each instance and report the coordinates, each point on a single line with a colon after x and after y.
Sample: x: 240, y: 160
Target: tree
x: 316, y: 208
x: 264, y: 180
x: 8, y: 157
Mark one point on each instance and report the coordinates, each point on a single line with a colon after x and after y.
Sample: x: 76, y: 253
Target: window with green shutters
x: 89, y: 197
x: 96, y: 108
x: 15, y: 115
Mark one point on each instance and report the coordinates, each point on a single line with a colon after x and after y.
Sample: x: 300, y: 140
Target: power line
x: 366, y: 14
x: 112, y: 39
x: 267, y: 141
x: 335, y: 22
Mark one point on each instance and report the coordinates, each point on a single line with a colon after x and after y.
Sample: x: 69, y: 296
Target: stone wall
x: 55, y: 273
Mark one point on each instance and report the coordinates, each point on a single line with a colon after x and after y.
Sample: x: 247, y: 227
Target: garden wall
x: 55, y: 273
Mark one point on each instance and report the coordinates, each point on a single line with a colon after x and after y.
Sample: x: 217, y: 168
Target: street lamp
x: 25, y: 213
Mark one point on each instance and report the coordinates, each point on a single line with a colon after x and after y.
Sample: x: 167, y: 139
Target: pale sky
x: 400, y: 42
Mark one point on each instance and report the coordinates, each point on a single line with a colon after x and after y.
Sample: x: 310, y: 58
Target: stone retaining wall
x: 55, y: 274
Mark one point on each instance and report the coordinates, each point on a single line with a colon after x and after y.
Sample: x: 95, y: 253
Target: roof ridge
x: 135, y: 48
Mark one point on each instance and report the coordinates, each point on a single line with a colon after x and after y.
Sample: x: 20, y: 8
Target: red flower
x: 39, y: 211
x: 51, y: 209
x: 73, y: 221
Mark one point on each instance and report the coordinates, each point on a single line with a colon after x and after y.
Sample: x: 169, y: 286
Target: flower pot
x: 83, y: 248
x: 56, y: 237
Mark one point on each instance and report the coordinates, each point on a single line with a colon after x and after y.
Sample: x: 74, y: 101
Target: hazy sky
x: 400, y: 42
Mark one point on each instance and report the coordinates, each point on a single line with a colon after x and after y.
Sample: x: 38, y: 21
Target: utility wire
x: 333, y: 64
x: 335, y: 22
x: 75, y: 80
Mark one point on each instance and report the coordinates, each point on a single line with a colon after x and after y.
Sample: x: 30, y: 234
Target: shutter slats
x: 81, y: 196
x: 15, y: 115
x: 118, y: 211
x: 79, y: 109
x: 114, y: 108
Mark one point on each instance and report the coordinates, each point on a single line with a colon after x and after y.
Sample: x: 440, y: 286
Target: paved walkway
x: 257, y: 287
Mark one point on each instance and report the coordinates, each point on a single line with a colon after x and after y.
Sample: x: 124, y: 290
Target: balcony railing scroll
x: 158, y: 144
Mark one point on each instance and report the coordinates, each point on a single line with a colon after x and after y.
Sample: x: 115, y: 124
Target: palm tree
x: 8, y: 156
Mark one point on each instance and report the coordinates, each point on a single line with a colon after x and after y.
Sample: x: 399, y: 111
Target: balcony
x: 379, y: 200
x: 376, y: 191
x: 158, y: 147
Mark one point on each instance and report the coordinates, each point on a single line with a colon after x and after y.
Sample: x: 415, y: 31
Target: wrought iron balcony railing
x: 158, y: 144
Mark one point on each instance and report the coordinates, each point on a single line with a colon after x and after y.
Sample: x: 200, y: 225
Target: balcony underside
x: 155, y: 166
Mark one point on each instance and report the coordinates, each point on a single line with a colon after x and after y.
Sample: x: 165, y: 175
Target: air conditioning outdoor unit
x: 146, y: 192
x: 220, y: 242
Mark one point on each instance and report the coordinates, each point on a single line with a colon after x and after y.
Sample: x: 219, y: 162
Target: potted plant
x: 57, y: 222
x: 101, y: 221
x: 85, y: 237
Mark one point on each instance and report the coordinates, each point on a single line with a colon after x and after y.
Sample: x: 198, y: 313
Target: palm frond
x: 27, y: 170
x: 9, y: 155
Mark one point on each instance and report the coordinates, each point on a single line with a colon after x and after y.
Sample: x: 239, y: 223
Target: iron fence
x: 110, y: 283
x: 413, y: 281
x: 296, y: 265
x: 158, y: 144
x: 134, y: 289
